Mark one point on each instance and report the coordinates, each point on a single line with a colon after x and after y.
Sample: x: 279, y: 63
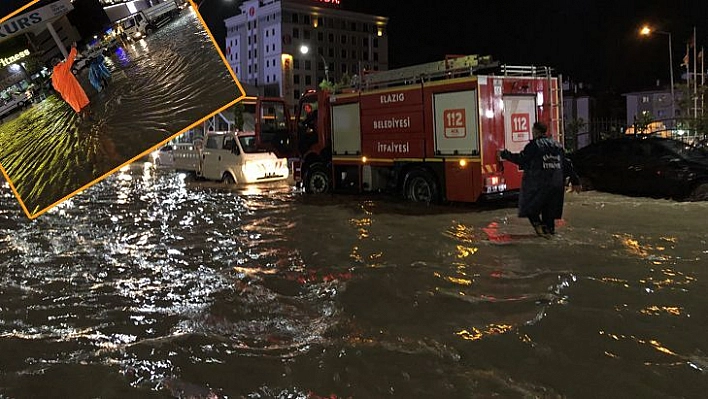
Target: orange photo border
x: 144, y: 153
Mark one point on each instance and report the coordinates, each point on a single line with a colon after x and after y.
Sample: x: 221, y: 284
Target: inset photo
x: 87, y: 86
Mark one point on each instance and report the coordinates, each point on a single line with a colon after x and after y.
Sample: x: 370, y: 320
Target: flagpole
x: 688, y: 72
x: 695, y: 78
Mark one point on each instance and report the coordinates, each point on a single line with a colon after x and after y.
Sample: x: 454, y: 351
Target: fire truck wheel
x: 227, y: 178
x: 318, y: 181
x: 420, y: 186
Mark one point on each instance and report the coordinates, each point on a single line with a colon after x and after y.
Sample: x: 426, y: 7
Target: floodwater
x: 159, y: 86
x: 147, y: 286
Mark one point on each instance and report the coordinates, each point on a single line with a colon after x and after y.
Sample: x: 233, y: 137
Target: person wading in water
x: 67, y: 86
x: 545, y: 168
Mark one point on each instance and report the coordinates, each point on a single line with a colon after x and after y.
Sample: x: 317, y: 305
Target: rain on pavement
x: 159, y: 86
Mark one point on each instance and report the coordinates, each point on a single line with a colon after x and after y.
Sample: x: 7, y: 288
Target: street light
x: 305, y: 49
x: 646, y: 31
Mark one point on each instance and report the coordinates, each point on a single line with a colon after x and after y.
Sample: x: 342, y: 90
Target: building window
x: 296, y: 33
x: 366, y: 56
x: 376, y: 56
x: 376, y: 43
x: 320, y: 36
x: 267, y: 33
x: 353, y: 27
x: 296, y: 94
x: 320, y: 51
x: 306, y: 19
x: 308, y: 79
x: 296, y: 79
x: 308, y: 65
x: 354, y: 40
x: 330, y: 52
x: 331, y: 38
x: 354, y: 54
x: 344, y: 53
x: 296, y: 63
x: 344, y: 39
x: 294, y: 19
x: 268, y: 79
x: 306, y: 34
x: 645, y: 99
x: 344, y: 68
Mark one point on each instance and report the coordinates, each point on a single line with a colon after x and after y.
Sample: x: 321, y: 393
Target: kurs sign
x: 34, y: 19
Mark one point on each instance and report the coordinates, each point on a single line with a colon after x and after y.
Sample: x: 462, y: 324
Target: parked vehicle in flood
x: 230, y: 158
x: 645, y: 166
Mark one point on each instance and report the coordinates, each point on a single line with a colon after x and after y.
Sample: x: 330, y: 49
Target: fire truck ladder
x: 449, y: 68
x: 519, y: 70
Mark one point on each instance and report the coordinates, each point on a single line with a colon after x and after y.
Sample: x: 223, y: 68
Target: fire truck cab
x: 430, y: 132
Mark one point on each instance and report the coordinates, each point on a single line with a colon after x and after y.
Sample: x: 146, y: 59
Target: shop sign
x: 13, y: 58
x: 33, y: 19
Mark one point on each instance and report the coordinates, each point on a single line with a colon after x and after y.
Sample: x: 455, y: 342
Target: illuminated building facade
x: 264, y: 44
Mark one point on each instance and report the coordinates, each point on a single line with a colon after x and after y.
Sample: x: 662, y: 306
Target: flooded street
x: 159, y: 86
x: 147, y: 286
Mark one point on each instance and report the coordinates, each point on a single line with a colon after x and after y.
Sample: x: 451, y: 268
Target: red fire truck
x: 430, y: 132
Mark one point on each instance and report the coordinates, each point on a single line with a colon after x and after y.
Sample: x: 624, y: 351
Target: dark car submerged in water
x: 645, y: 166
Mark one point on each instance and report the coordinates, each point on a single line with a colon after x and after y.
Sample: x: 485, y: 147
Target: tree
x: 344, y: 82
x: 238, y: 115
x: 696, y: 125
x: 573, y: 127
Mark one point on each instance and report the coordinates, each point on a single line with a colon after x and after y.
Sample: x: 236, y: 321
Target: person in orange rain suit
x: 66, y: 84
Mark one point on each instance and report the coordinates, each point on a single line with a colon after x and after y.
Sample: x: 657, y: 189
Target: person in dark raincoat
x: 99, y: 73
x: 545, y: 169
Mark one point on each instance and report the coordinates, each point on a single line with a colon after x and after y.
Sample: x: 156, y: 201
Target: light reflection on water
x: 160, y: 286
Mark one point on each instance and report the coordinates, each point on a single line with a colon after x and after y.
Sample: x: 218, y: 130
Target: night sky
x: 595, y: 42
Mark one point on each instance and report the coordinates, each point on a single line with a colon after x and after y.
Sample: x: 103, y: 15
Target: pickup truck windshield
x: 248, y: 143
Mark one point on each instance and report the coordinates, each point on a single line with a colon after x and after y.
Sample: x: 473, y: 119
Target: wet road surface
x: 159, y: 86
x: 147, y: 286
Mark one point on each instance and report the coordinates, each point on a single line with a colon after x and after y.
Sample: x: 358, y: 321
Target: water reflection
x: 158, y: 286
x: 160, y: 86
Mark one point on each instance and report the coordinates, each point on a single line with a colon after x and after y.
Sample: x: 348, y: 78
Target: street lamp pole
x: 326, y: 67
x: 304, y: 49
x: 671, y: 74
x: 647, y: 31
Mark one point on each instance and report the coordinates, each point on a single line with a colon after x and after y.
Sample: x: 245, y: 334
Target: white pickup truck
x: 146, y: 21
x: 231, y: 158
x: 17, y: 101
